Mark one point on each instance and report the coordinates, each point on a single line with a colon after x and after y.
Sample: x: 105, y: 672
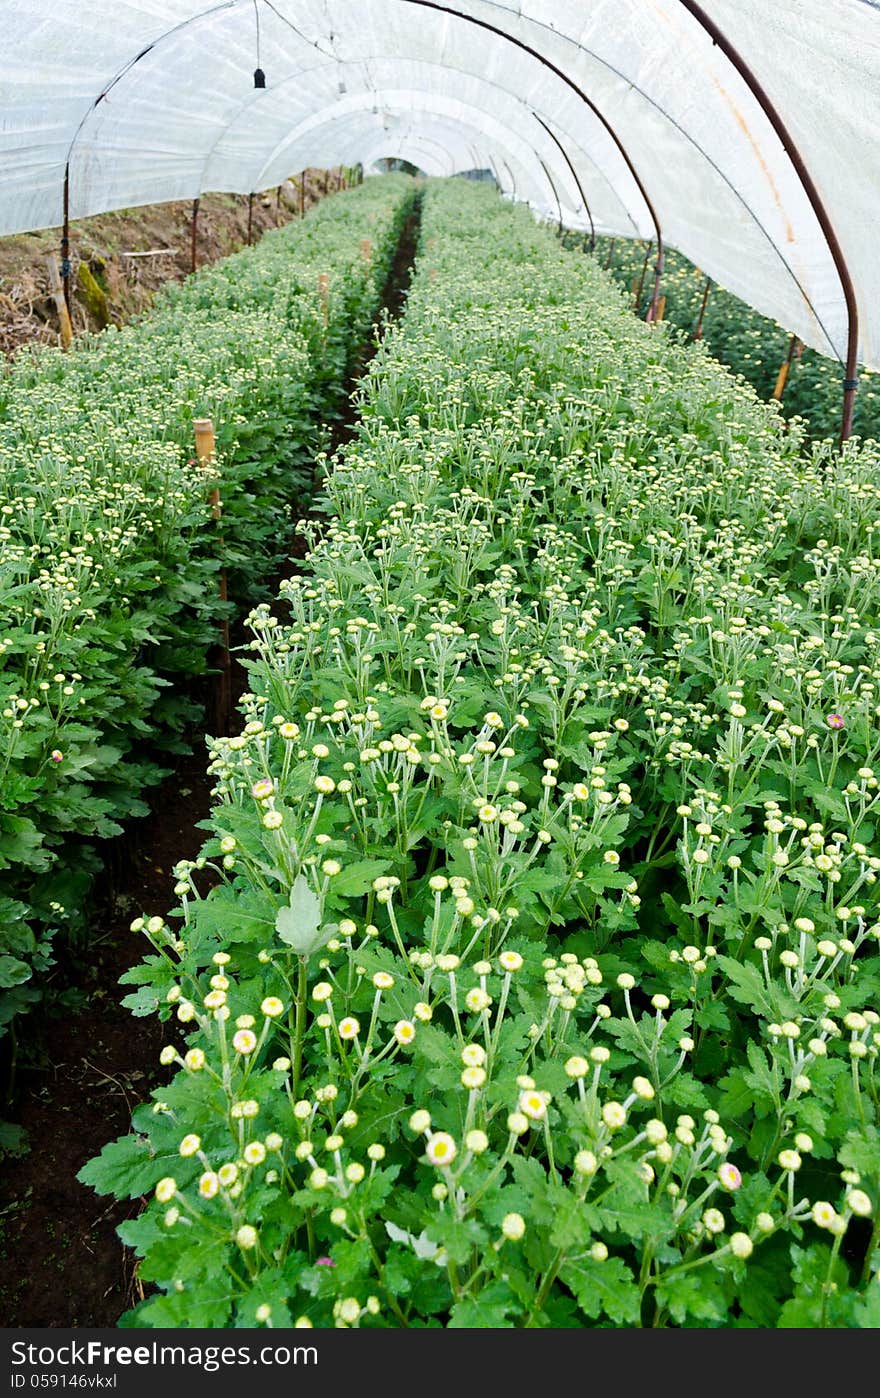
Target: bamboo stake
x: 661, y: 309
x: 193, y: 235
x: 203, y: 428
x: 785, y: 370
x: 56, y: 290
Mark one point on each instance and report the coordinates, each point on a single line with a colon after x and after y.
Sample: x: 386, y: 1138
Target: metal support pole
x: 250, y: 226
x: 569, y: 82
x: 552, y: 185
x: 65, y: 241
x: 194, y: 230
x: 850, y: 383
x: 574, y: 174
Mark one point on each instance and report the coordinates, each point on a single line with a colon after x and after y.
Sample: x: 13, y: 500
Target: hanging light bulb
x: 259, y: 75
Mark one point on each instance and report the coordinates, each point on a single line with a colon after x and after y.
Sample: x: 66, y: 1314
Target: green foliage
x: 568, y: 740
x: 109, y: 557
x: 747, y: 342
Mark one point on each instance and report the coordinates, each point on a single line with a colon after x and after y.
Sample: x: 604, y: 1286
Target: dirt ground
x: 112, y: 246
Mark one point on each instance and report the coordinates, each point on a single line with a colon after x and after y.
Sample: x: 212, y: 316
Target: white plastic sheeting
x: 148, y: 100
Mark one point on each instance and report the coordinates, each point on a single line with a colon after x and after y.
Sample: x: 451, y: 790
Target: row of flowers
x: 747, y: 342
x: 537, y: 985
x: 108, y: 555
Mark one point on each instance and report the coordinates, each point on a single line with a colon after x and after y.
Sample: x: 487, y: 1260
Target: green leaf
x: 488, y: 1310
x: 299, y: 925
x: 127, y: 1167
x: 603, y: 1288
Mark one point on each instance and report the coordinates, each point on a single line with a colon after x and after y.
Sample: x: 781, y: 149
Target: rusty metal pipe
x: 574, y: 174
x: 569, y: 82
x: 850, y: 383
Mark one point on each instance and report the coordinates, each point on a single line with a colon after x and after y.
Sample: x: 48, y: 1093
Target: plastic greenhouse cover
x: 141, y: 101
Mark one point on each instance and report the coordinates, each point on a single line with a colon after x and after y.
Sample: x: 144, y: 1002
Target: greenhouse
x: 439, y: 670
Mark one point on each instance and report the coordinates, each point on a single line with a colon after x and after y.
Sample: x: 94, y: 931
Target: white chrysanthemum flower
x: 209, y: 1184
x: 513, y: 1226
x: 859, y: 1203
x: 349, y: 1028
x: 741, y: 1245
x: 533, y: 1105
x: 244, y: 1041
x: 190, y: 1145
x: 614, y: 1115
x: 246, y: 1237
x: 586, y: 1163
x: 272, y: 1007
x: 441, y: 1149
x: 404, y: 1032
x: 473, y: 1078
x: 476, y: 1142
x: 166, y: 1189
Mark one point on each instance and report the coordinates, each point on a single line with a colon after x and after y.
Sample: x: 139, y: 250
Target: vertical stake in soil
x: 250, y: 228
x: 302, y: 195
x: 610, y: 253
x: 194, y: 230
x: 641, y: 285
x: 698, y: 332
x: 56, y: 290
x: 367, y: 251
x: 203, y: 427
x: 785, y: 369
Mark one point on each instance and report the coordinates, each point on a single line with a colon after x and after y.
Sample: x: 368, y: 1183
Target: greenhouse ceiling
x: 628, y: 116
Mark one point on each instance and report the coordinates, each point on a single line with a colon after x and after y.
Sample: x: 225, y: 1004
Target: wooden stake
x: 203, y: 428
x: 610, y: 253
x: 661, y: 309
x: 367, y: 251
x: 641, y: 285
x: 785, y: 370
x: 250, y: 228
x: 193, y: 235
x: 302, y: 195
x: 56, y: 290
x: 698, y: 333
